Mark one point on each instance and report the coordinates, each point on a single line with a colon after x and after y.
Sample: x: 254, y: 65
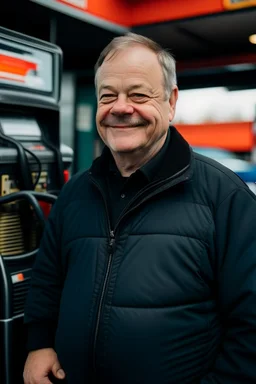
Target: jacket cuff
x: 40, y: 336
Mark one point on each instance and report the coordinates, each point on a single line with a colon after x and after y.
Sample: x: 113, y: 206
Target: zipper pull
x: 111, y: 244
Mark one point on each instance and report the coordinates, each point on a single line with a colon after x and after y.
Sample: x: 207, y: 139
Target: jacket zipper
x: 126, y: 211
x: 110, y: 258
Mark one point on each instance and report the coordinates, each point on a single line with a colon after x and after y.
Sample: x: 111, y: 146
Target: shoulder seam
x: 224, y: 173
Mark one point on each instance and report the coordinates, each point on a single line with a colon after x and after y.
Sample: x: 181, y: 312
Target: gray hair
x: 166, y: 60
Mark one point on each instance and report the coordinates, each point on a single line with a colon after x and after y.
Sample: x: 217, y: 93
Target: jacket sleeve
x: 235, y: 265
x: 42, y: 304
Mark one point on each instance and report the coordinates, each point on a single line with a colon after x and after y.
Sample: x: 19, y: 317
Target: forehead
x: 134, y: 63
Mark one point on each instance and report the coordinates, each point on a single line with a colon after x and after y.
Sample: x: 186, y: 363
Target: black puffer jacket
x: 168, y: 296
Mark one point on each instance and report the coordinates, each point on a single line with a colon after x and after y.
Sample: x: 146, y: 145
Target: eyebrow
x: 109, y: 87
x: 131, y: 88
x: 139, y: 86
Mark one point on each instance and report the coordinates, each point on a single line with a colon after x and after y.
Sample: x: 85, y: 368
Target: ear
x: 172, y: 101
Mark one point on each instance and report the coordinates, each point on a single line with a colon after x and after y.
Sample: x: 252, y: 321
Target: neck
x: 128, y: 163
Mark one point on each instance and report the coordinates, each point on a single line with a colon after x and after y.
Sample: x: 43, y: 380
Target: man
x: 147, y: 268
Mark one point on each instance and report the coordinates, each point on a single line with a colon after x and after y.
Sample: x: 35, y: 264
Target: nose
x: 121, y: 107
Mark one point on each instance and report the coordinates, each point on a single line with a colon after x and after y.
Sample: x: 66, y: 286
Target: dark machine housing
x: 33, y: 168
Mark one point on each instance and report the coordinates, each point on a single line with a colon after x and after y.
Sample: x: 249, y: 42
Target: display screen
x: 25, y: 67
x: 23, y: 126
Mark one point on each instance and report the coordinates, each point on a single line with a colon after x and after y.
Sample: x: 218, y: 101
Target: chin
x: 123, y: 149
x: 124, y: 146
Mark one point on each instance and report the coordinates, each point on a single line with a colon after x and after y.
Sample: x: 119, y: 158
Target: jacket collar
x: 178, y: 157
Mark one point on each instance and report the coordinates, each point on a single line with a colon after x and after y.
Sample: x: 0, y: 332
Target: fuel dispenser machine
x: 33, y: 168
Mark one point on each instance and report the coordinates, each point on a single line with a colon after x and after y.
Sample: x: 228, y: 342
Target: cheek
x: 99, y: 117
x: 146, y: 112
x: 162, y: 117
x: 154, y: 113
x: 102, y: 112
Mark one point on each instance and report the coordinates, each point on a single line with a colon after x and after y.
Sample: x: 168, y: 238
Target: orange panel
x: 137, y: 12
x: 151, y: 11
x: 116, y: 11
x: 231, y: 136
x: 231, y: 4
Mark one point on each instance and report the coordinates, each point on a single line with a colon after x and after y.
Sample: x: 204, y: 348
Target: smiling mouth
x: 126, y: 126
x: 122, y: 126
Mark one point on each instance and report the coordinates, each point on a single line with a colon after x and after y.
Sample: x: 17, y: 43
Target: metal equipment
x: 33, y: 169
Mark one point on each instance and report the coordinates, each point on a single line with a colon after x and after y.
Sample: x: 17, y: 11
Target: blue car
x: 244, y: 169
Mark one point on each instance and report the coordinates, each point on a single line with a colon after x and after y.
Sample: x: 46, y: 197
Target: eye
x: 139, y: 97
x: 107, y: 97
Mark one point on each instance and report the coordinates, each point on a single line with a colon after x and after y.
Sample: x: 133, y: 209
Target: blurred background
x: 47, y: 98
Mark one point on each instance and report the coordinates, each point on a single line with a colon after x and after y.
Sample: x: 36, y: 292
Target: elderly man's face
x: 133, y: 110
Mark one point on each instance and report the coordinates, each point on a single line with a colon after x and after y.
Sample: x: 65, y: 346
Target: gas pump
x: 33, y: 168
